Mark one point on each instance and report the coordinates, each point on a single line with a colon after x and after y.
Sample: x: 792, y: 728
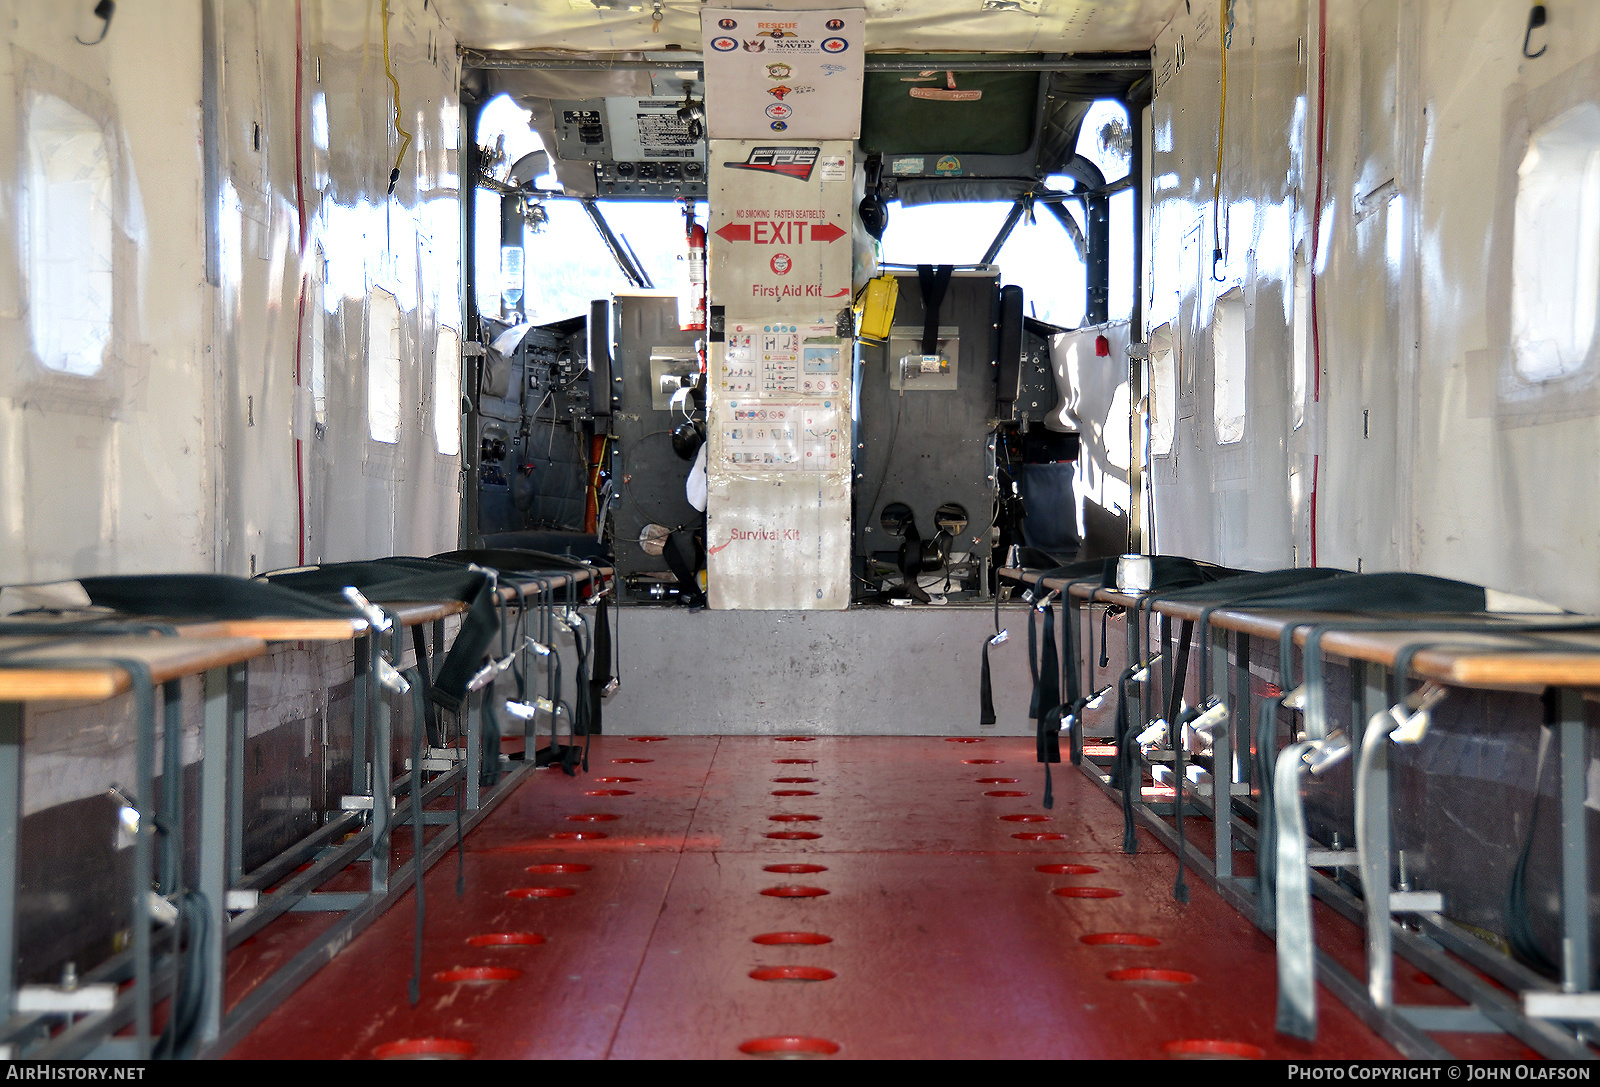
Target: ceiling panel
x: 1045, y: 26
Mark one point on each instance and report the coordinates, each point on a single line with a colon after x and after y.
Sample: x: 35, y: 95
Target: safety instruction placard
x: 780, y: 399
x: 787, y: 74
x: 779, y: 237
x: 758, y: 436
x: 649, y: 129
x: 779, y: 359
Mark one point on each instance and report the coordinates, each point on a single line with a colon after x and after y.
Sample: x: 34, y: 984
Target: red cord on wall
x: 300, y: 325
x: 1316, y: 238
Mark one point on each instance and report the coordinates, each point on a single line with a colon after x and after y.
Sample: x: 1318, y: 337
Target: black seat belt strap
x: 602, y: 663
x: 425, y: 675
x: 934, y: 282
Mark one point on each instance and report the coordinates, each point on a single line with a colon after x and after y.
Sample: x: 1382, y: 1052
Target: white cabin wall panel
x: 363, y: 497
x: 1278, y: 104
x: 1180, y: 195
x: 1429, y: 453
x: 1506, y: 480
x: 1227, y: 502
x: 109, y: 472
x: 184, y: 441
x: 1362, y: 291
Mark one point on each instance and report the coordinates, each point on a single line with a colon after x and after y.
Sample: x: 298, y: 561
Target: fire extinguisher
x: 692, y: 302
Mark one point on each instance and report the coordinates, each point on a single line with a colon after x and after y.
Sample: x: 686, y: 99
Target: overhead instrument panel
x: 641, y: 146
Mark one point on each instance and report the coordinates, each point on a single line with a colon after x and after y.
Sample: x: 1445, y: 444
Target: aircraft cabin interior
x: 845, y: 529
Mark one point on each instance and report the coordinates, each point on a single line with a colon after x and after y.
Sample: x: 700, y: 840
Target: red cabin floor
x: 945, y: 939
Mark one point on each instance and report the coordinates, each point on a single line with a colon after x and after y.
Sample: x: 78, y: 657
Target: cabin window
x: 447, y: 393
x: 1163, y: 391
x: 1555, y: 260
x: 1038, y: 256
x: 316, y: 336
x: 68, y: 237
x: 1300, y: 363
x: 1228, y: 368
x: 1106, y: 138
x: 383, y: 368
x: 568, y: 264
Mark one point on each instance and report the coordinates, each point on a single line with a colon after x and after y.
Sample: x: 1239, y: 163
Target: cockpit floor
x: 936, y: 911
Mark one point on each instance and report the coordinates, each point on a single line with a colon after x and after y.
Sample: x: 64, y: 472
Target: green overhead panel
x: 999, y: 122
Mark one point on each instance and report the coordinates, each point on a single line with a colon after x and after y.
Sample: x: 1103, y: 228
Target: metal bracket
x: 1571, y: 1006
x: 1416, y: 902
x: 56, y: 1000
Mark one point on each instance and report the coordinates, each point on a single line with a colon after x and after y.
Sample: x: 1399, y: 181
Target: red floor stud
x: 541, y: 892
x: 478, y: 974
x: 1214, y: 1048
x: 770, y: 939
x: 505, y: 939
x: 789, y: 1046
x: 1087, y: 892
x: 792, y: 973
x: 1153, y: 974
x: 1118, y: 939
x: 435, y: 1049
x: 795, y: 869
x: 561, y: 869
x: 1056, y: 869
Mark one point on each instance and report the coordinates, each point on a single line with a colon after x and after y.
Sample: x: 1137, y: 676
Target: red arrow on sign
x: 825, y: 232
x: 737, y: 232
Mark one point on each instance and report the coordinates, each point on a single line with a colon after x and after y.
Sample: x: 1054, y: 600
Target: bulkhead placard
x: 785, y: 74
x: 778, y: 543
x: 779, y: 238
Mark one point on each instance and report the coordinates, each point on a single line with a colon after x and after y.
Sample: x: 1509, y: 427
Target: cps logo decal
x: 834, y: 45
x: 780, y: 126
x: 795, y: 162
x: 724, y: 44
